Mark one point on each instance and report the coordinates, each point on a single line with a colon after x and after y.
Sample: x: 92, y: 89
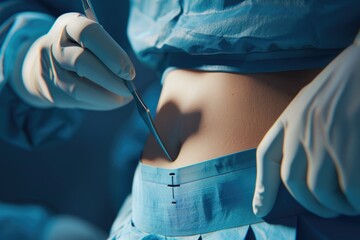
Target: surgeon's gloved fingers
x: 323, y: 182
x: 52, y: 95
x: 349, y: 164
x: 353, y: 196
x: 92, y: 36
x: 268, y: 159
x: 350, y: 179
x: 322, y: 176
x: 344, y: 140
x: 85, y: 64
x: 66, y: 101
x: 82, y: 93
x: 294, y: 174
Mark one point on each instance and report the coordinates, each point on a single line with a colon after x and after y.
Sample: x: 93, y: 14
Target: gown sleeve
x: 20, y: 123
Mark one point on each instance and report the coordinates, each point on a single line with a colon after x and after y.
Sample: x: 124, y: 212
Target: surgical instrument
x: 141, y: 107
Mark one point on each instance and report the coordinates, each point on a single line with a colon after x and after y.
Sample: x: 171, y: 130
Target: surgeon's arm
x: 21, y: 123
x: 314, y: 145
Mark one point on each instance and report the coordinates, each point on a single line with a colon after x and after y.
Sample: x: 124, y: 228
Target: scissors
x: 140, y: 105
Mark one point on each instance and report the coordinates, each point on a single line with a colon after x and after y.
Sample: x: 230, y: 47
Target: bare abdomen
x: 204, y: 115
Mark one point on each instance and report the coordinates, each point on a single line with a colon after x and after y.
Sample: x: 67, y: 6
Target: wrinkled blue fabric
x: 242, y: 36
x: 27, y: 127
x: 212, y: 200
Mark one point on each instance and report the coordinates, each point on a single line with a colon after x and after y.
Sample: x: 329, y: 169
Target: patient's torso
x: 204, y: 115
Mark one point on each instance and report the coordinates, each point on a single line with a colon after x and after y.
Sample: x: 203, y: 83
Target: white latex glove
x: 314, y: 146
x: 75, y: 65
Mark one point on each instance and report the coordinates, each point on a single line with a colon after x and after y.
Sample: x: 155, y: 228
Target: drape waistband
x: 200, y: 198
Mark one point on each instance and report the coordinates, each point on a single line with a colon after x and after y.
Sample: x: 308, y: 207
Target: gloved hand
x: 314, y: 146
x: 75, y: 65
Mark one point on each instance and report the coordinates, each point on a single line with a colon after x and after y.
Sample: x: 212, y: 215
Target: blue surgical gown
x: 242, y: 36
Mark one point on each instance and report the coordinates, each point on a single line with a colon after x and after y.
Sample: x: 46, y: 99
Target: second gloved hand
x: 75, y: 65
x: 314, y: 146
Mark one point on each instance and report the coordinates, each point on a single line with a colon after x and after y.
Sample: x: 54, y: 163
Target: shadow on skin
x: 174, y: 127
